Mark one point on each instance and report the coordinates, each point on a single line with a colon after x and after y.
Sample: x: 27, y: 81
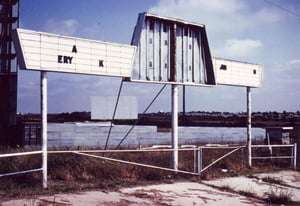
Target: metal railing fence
x: 292, y: 156
x: 197, y: 157
x: 20, y: 154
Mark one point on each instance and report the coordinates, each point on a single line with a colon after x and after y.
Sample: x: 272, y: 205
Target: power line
x: 282, y: 8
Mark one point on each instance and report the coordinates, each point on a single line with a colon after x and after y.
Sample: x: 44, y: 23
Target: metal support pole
x: 249, y: 143
x: 44, y: 126
x: 175, y: 125
x: 174, y: 92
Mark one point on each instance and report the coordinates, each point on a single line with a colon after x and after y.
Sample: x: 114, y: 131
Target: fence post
x: 295, y: 156
x: 195, y: 160
x: 199, y: 160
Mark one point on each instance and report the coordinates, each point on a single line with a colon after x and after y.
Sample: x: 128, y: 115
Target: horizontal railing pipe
x: 20, y: 154
x: 21, y: 172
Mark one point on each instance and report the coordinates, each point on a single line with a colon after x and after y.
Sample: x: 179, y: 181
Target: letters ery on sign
x: 51, y: 52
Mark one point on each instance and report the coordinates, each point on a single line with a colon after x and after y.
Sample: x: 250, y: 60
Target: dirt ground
x: 226, y: 191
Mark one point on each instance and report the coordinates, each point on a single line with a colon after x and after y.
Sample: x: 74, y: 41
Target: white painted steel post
x: 174, y: 94
x: 249, y: 141
x: 175, y: 125
x: 44, y: 126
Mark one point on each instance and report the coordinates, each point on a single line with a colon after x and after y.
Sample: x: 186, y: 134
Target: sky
x: 263, y: 32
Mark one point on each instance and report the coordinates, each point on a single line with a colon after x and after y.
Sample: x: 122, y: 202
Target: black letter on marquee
x: 101, y: 63
x: 70, y: 60
x: 59, y: 59
x: 74, y: 50
x: 65, y: 60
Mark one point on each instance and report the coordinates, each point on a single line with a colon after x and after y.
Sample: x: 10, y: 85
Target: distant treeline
x: 60, y: 117
x: 194, y: 118
x: 202, y: 118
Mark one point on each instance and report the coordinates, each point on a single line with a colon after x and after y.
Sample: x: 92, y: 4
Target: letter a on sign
x: 74, y: 50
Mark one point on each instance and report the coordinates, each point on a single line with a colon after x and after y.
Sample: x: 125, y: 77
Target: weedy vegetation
x: 69, y: 172
x: 279, y: 196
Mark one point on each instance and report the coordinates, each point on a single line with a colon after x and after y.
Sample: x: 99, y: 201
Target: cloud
x: 65, y: 27
x: 294, y: 64
x: 267, y: 15
x: 287, y: 71
x: 239, y: 48
x: 230, y: 16
x: 291, y: 72
x: 196, y: 8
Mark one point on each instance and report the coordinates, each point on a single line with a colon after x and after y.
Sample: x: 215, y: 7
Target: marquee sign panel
x: 161, y: 41
x: 57, y: 53
x: 236, y: 73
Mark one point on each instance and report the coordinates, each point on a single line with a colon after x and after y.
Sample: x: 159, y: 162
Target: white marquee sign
x: 57, y: 53
x: 236, y: 73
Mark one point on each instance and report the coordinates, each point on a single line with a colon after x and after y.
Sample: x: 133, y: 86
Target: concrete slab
x: 213, y: 192
x: 180, y: 193
x: 284, y: 182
